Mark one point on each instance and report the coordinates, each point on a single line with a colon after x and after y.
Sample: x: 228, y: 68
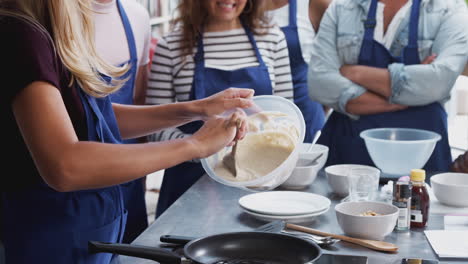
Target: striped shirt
x: 171, y: 74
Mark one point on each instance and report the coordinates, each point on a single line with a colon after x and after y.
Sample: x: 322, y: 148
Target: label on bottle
x: 416, y: 216
x: 402, y: 218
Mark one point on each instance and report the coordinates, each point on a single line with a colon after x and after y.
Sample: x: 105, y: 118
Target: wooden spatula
x: 372, y: 244
x: 230, y: 160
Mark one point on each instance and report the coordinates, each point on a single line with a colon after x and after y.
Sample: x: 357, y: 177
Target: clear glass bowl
x: 397, y: 151
x: 280, y: 174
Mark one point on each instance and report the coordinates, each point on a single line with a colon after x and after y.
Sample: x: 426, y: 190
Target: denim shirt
x: 442, y: 30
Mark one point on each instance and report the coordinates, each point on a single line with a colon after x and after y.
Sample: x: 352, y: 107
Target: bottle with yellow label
x: 419, y: 199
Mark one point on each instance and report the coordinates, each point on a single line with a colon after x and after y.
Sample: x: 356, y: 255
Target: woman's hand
x: 218, y: 132
x: 461, y: 163
x: 226, y: 100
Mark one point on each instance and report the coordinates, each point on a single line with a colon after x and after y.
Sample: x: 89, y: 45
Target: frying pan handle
x: 179, y: 240
x: 152, y: 253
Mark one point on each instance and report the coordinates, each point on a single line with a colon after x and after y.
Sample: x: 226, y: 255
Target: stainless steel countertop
x: 209, y: 208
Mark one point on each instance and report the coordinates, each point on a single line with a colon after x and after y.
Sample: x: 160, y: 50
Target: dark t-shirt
x: 27, y: 55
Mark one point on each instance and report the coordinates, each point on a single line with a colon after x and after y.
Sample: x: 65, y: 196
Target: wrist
x: 193, y: 110
x: 194, y: 148
x: 198, y: 109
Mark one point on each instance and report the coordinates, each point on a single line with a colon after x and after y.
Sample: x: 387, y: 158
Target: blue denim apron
x: 312, y: 111
x: 206, y: 82
x: 133, y: 191
x: 341, y: 133
x: 41, y: 225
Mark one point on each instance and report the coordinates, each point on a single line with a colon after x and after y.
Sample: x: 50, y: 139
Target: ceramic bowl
x: 305, y: 152
x: 377, y: 227
x: 451, y: 188
x: 303, y: 174
x: 337, y: 177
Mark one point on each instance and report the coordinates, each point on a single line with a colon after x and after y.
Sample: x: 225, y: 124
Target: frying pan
x: 226, y: 248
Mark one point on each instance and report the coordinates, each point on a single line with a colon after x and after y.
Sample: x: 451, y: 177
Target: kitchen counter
x: 209, y: 208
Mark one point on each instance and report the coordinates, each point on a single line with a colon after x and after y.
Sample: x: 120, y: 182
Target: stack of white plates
x: 291, y: 206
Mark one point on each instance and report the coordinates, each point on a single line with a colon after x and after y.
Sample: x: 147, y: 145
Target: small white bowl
x: 306, y: 153
x: 377, y: 227
x: 303, y: 175
x: 337, y: 177
x: 451, y: 188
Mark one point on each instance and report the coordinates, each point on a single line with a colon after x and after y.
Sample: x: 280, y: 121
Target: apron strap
x: 293, y: 13
x: 198, y: 76
x: 414, y: 22
x: 254, y: 44
x: 128, y: 32
x: 369, y: 27
x: 93, y: 130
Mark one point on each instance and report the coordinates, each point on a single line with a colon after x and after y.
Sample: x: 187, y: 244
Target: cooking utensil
x: 372, y: 244
x: 316, y: 136
x: 315, y: 159
x: 227, y: 248
x: 320, y: 240
x: 230, y: 160
x: 274, y: 226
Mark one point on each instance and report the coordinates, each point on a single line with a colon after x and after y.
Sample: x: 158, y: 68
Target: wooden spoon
x: 372, y: 244
x: 230, y: 159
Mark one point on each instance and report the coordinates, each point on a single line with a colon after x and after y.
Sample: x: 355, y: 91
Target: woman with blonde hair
x: 62, y: 174
x: 215, y: 45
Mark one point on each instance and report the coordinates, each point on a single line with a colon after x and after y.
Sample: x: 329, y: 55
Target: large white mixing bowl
x: 280, y: 174
x: 397, y: 151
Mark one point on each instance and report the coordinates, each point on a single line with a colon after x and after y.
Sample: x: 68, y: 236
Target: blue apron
x: 312, y: 111
x: 206, y: 82
x: 341, y: 134
x: 133, y: 191
x: 41, y: 225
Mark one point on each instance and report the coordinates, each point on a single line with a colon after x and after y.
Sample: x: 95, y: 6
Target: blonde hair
x: 71, y: 29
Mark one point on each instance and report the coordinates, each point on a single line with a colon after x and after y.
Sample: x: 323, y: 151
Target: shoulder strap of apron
x: 293, y: 13
x: 200, y: 55
x: 254, y: 44
x: 414, y: 22
x: 128, y: 33
x: 369, y: 26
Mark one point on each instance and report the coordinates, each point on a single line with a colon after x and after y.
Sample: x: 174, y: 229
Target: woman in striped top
x: 217, y: 44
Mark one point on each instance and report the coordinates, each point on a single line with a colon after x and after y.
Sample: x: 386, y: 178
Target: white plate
x: 287, y: 218
x: 284, y: 203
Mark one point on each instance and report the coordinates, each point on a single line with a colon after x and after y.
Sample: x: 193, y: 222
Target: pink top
x: 110, y: 31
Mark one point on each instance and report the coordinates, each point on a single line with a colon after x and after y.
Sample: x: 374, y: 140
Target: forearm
x: 370, y: 103
x: 96, y: 165
x: 416, y: 85
x: 137, y: 121
x: 376, y: 80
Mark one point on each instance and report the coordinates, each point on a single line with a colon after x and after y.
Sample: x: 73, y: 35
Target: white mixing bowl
x: 397, y: 151
x: 451, y: 188
x: 281, y: 173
